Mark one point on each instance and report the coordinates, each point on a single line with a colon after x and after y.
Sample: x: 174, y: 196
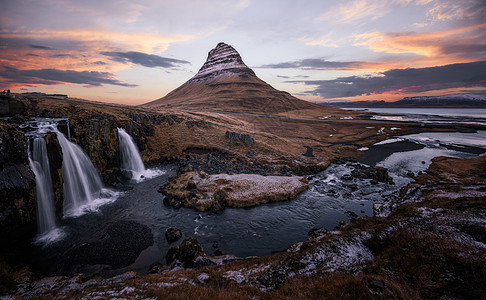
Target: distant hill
x: 451, y: 101
x: 226, y: 83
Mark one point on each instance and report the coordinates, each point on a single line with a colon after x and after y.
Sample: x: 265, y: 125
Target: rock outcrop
x: 205, y: 192
x: 173, y: 235
x: 17, y: 182
x: 240, y: 137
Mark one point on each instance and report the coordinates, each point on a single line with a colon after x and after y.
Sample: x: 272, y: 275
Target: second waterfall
x: 131, y: 160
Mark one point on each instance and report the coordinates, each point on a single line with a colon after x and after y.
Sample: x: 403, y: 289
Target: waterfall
x: 83, y: 189
x: 131, y: 160
x: 39, y: 163
x: 82, y: 186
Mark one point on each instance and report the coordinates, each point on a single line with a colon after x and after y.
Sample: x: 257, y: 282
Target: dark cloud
x: 99, y: 62
x: 62, y: 55
x: 40, y: 47
x: 404, y: 80
x: 281, y: 76
x: 146, y: 60
x: 55, y: 76
x: 315, y: 64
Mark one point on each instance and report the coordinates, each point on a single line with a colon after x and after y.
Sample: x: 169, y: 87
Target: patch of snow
x: 389, y: 141
x: 235, y: 275
x: 427, y: 212
x: 363, y: 149
x: 203, y: 277
x: 346, y: 118
x: 338, y: 255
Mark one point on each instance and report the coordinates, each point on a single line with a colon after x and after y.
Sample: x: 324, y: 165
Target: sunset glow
x: 118, y: 51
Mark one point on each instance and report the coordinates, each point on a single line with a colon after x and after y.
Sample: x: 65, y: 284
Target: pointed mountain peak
x: 222, y: 60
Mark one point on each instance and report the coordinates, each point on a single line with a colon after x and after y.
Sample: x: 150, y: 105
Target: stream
x: 331, y: 198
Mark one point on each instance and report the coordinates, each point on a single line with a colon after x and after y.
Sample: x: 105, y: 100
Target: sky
x: 133, y: 52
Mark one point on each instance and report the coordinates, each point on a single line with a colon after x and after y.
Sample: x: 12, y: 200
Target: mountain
x: 226, y: 83
x: 451, y: 101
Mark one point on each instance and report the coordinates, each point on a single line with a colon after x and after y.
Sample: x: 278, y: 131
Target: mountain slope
x: 225, y: 83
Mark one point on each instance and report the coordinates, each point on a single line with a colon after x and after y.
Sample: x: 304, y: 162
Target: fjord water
x: 131, y: 160
x: 44, y: 195
x: 472, y: 116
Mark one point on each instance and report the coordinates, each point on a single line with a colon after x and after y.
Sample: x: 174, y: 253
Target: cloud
x: 316, y: 64
x: 146, y: 60
x: 465, y: 11
x: 40, y: 47
x: 62, y: 55
x: 404, y: 81
x: 55, y: 76
x: 138, y: 40
x: 350, y: 12
x: 463, y: 41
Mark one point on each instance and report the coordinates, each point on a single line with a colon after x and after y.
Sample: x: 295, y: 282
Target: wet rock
x: 190, y: 253
x: 156, y: 268
x: 239, y: 137
x: 376, y: 174
x: 17, y: 182
x: 377, y: 285
x: 173, y: 235
x: 117, y: 245
x: 347, y: 177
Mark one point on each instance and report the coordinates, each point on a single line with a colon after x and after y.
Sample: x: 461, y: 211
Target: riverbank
x: 430, y: 245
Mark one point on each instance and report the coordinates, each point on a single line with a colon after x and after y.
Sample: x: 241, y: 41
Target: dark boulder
x: 376, y: 174
x: 173, y: 235
x: 190, y: 253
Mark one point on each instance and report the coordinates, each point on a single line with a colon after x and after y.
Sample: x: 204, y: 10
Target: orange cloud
x: 353, y: 11
x: 454, y: 45
x: 137, y: 41
x: 83, y: 53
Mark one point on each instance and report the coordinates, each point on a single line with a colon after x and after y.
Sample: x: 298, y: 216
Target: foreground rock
x: 173, y: 235
x: 206, y: 192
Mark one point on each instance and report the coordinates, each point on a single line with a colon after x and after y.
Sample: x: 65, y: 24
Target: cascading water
x: 39, y: 163
x: 131, y: 160
x: 82, y: 185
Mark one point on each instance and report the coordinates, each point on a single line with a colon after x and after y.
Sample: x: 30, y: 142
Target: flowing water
x: 44, y: 195
x: 131, y: 160
x: 82, y: 186
x: 264, y: 229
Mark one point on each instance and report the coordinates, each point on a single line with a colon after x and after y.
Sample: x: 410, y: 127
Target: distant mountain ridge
x: 451, y: 101
x: 226, y: 83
